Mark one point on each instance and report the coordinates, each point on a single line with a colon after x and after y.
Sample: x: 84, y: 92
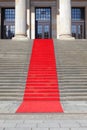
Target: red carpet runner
x: 41, y: 93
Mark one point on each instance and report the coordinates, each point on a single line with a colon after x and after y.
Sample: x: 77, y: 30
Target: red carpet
x: 41, y: 92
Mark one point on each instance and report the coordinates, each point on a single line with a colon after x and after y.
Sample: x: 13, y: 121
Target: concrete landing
x: 10, y: 107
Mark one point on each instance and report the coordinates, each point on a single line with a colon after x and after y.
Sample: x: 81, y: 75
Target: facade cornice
x: 81, y: 4
x: 7, y: 4
x: 38, y: 3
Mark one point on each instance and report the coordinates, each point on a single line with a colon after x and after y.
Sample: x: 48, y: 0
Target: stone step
x: 9, y: 78
x: 12, y: 87
x: 72, y: 83
x: 65, y: 98
x: 72, y: 77
x: 13, y: 90
x: 14, y: 60
x: 11, y: 98
x: 23, y: 86
x: 7, y: 69
x: 71, y: 68
x: 70, y: 98
x: 17, y: 93
x: 75, y: 73
x: 73, y: 80
x: 22, y: 89
x: 72, y: 87
x: 13, y: 79
x: 12, y: 73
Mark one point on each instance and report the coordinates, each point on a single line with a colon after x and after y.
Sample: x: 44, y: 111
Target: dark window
x: 78, y: 13
x: 42, y: 13
x: 9, y: 14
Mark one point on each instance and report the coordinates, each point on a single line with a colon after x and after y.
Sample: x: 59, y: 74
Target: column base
x: 20, y: 38
x: 66, y: 37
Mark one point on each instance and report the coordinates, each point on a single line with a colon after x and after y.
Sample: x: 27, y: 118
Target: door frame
x: 45, y: 21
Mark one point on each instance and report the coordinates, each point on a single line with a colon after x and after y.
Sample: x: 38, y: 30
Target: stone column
x: 32, y: 22
x: 20, y: 20
x: 65, y: 19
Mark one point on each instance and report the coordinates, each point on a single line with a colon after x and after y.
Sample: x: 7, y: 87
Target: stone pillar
x: 65, y: 19
x: 20, y: 20
x: 32, y: 22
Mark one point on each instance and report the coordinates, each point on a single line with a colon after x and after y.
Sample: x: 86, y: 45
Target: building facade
x: 30, y: 19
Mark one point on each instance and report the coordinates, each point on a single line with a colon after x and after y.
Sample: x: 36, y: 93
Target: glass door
x: 43, y: 30
x: 78, y: 30
x: 43, y: 23
x: 40, y: 31
x: 46, y: 31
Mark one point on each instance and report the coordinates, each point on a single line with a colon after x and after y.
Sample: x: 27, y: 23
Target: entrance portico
x: 57, y: 19
x: 63, y: 15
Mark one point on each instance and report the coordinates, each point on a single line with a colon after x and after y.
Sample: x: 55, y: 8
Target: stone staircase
x: 14, y: 59
x: 71, y: 59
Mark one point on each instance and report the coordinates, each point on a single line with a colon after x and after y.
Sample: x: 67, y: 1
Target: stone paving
x: 73, y: 118
x: 44, y: 122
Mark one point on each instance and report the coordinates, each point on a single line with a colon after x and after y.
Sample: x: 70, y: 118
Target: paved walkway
x: 44, y: 122
x: 73, y: 118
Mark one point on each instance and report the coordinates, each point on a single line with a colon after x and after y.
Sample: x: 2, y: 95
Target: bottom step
x: 41, y: 106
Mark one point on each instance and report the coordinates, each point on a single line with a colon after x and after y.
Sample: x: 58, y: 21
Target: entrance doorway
x: 8, y: 23
x: 78, y: 23
x: 43, y: 23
